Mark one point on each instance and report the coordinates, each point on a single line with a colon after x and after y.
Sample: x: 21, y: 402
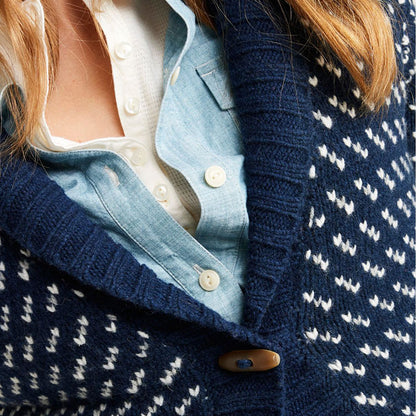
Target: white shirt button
x: 209, y: 280
x: 136, y: 154
x: 132, y: 106
x: 161, y: 192
x: 123, y: 50
x: 175, y: 75
x: 215, y: 176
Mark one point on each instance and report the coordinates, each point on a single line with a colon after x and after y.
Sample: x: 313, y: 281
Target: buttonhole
x: 244, y: 364
x: 113, y: 176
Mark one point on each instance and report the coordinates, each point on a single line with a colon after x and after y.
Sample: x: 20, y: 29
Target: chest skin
x: 81, y: 105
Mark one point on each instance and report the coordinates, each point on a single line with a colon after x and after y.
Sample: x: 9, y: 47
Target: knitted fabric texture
x: 86, y: 330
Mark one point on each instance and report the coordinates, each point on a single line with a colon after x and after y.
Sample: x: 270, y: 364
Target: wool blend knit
x: 86, y: 330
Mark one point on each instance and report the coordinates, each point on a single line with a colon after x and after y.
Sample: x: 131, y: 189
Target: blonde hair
x: 355, y: 31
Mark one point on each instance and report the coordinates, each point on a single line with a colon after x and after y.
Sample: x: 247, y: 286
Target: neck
x: 72, y: 15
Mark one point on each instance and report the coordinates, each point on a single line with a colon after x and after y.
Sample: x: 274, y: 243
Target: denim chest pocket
x: 215, y: 77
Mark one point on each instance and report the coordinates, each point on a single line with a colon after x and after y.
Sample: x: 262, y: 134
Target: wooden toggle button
x: 249, y: 360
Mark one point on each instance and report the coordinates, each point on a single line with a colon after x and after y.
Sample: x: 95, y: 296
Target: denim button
x: 215, y: 176
x: 209, y: 280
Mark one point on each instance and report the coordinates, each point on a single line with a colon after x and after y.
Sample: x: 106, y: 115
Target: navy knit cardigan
x: 86, y: 330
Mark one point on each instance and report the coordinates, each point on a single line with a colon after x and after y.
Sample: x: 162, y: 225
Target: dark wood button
x: 249, y: 360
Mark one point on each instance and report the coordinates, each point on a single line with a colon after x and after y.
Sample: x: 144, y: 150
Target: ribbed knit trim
x: 262, y: 58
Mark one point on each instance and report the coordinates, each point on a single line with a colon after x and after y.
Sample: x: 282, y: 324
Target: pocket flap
x: 215, y: 77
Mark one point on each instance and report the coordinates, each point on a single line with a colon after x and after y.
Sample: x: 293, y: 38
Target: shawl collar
x: 269, y: 81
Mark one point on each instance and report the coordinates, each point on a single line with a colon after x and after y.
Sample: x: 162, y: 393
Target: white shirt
x: 135, y: 34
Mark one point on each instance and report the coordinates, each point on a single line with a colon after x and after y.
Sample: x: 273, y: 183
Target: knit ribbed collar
x: 270, y: 83
x: 270, y: 87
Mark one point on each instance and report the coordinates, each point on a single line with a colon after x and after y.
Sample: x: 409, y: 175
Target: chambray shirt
x: 197, y: 129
